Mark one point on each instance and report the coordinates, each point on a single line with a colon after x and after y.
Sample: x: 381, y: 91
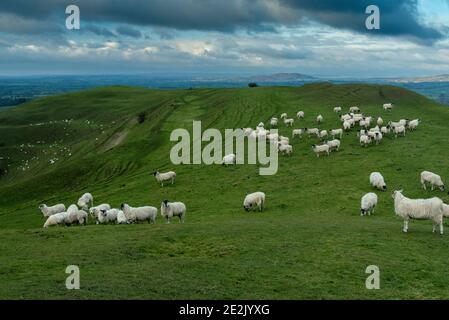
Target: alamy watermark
x: 373, y: 280
x: 72, y: 282
x: 73, y: 21
x: 189, y: 149
x: 372, y: 22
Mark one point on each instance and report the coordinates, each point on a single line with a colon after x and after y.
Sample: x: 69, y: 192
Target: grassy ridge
x: 309, y: 243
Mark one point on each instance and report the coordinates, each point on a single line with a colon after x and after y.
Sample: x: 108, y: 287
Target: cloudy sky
x: 317, y: 37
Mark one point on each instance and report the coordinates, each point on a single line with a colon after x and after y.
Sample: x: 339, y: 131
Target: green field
x: 309, y: 243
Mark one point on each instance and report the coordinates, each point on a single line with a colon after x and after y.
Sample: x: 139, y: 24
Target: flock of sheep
x: 103, y: 214
x: 424, y: 209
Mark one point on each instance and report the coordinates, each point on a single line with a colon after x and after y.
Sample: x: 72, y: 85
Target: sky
x: 324, y: 38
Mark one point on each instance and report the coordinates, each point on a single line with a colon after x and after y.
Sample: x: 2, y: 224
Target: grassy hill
x: 310, y: 242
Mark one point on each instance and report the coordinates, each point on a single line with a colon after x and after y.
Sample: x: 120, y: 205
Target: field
x: 309, y: 243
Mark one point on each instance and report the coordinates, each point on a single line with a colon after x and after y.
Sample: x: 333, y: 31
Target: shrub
x: 141, y: 117
x: 252, y: 85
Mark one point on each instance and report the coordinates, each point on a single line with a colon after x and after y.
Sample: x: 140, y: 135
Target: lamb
x: 337, y: 132
x: 297, y: 133
x: 380, y: 122
x: 377, y: 181
x: 254, y: 201
x: 229, y: 159
x: 49, y: 211
x: 433, y: 179
x: 285, y: 149
x: 337, y: 109
x: 283, y: 116
x: 313, y: 131
x: 289, y: 122
x: 170, y: 209
x: 94, y: 211
x: 85, y: 200
x: 365, y: 140
x: 412, y: 125
x: 321, y: 149
x: 56, y: 219
x: 139, y: 214
x: 300, y: 115
x: 163, y: 177
x: 368, y: 204
x: 319, y: 119
x: 399, y: 130
x: 334, y: 145
x: 420, y: 209
x: 106, y: 216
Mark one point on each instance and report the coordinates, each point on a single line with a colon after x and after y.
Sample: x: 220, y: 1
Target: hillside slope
x: 309, y: 243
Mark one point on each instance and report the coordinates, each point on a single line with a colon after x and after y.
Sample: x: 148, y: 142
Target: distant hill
x: 437, y: 78
x: 279, y: 77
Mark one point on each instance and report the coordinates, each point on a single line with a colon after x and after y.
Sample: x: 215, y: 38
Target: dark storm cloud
x: 399, y: 17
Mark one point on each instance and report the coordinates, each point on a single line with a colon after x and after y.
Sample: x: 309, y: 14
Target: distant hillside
x: 438, y: 78
x: 279, y: 77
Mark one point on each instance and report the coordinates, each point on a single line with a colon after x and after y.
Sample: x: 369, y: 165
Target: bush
x: 141, y: 117
x: 252, y: 85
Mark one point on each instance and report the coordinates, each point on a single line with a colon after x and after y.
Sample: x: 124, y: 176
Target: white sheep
x: 319, y: 119
x: 334, y: 145
x: 445, y: 210
x: 380, y: 122
x: 163, y: 177
x: 254, y: 201
x: 56, y: 219
x: 368, y: 204
x: 321, y: 149
x: 85, y: 200
x: 354, y: 109
x: 285, y: 149
x: 399, y: 130
x: 378, y: 137
x: 377, y: 181
x: 385, y: 130
x: 106, y: 216
x: 274, y: 122
x: 121, y: 218
x: 300, y: 114
x: 313, y: 131
x: 388, y: 106
x: 433, y: 179
x: 347, y: 125
x: 365, y: 140
x: 323, y: 134
x: 75, y: 216
x: 49, y: 211
x: 337, y: 132
x: 412, y: 125
x: 94, y: 211
x: 420, y: 209
x: 229, y: 159
x: 337, y: 109
x: 284, y: 116
x: 297, y: 133
x: 173, y: 209
x: 139, y: 214
x: 289, y: 122
x: 261, y: 125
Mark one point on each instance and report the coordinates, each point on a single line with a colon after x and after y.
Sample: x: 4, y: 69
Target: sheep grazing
x: 378, y: 137
x: 75, y: 216
x: 94, y: 211
x: 433, y: 179
x: 274, y: 122
x: 319, y: 119
x: 106, y: 216
x: 300, y: 114
x: 321, y: 149
x: 368, y: 204
x: 445, y: 210
x: 254, y: 201
x: 85, y: 200
x: 354, y: 109
x: 285, y: 149
x: 284, y: 140
x: 56, y: 219
x: 289, y: 122
x: 388, y: 106
x: 412, y: 125
x: 49, y: 211
x: 399, y: 130
x: 377, y: 181
x: 420, y: 209
x: 121, y: 218
x: 365, y: 140
x: 380, y: 122
x: 229, y: 159
x: 139, y: 214
x: 173, y: 209
x: 334, y: 145
x: 163, y: 177
x: 337, y: 109
x: 385, y: 130
x: 283, y: 116
x: 297, y: 133
x: 346, y: 125
x: 313, y: 131
x: 323, y: 134
x: 337, y: 132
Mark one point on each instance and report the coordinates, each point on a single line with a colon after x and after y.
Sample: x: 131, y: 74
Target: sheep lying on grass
x: 254, y: 201
x: 420, y: 209
x: 49, y: 211
x: 173, y: 209
x: 368, y: 204
x: 86, y: 200
x: 163, y: 177
x: 377, y: 181
x: 139, y: 214
x: 433, y: 179
x: 72, y: 216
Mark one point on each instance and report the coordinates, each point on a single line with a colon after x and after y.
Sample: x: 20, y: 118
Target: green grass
x: 309, y: 243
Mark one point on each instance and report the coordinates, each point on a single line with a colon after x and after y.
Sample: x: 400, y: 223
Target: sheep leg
x: 441, y: 228
x: 424, y: 185
x: 405, y: 226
